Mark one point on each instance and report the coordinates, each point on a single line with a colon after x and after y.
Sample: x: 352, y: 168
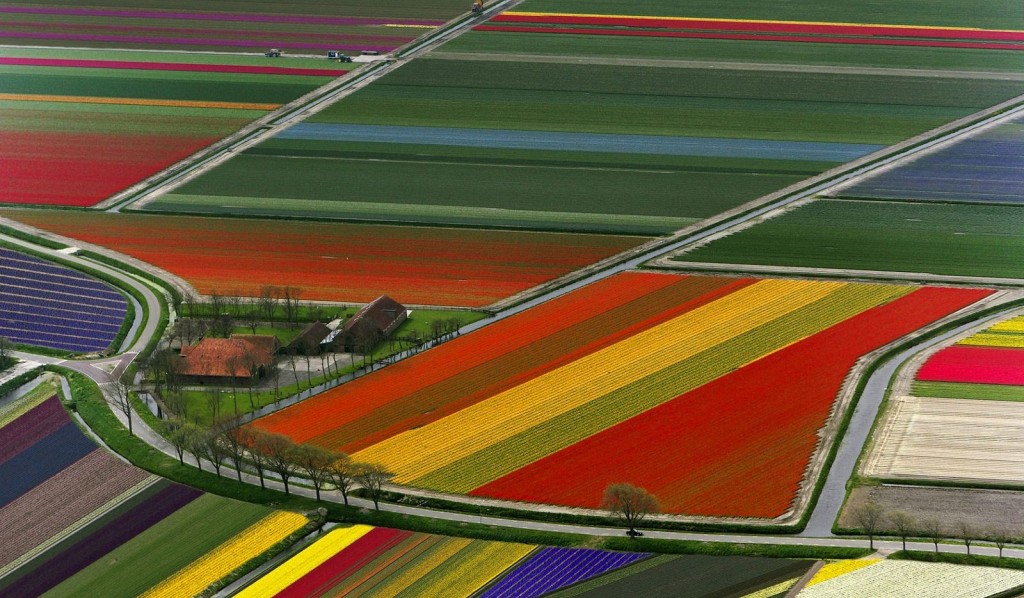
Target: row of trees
x: 873, y: 519
x: 250, y: 309
x: 262, y: 452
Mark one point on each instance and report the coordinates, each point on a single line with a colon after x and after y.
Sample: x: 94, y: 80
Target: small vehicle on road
x: 336, y: 55
x: 273, y: 53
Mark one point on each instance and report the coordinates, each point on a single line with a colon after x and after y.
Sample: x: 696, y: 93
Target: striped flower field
x: 658, y: 378
x: 75, y: 131
x: 756, y: 30
x: 78, y: 521
x: 338, y: 261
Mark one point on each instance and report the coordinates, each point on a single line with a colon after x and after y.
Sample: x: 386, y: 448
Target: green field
x: 957, y: 390
x: 1000, y: 14
x: 626, y: 48
x: 947, y: 239
x: 164, y: 549
x: 412, y: 9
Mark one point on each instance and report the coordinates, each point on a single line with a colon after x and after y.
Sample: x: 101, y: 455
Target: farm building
x: 373, y: 323
x: 312, y: 339
x: 214, y: 360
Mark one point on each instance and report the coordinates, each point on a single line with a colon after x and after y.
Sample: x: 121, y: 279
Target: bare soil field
x: 981, y: 508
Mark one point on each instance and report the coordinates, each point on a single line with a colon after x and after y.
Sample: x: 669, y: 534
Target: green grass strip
x: 606, y: 411
x: 164, y: 549
x: 613, y: 576
x: 364, y: 210
x: 962, y: 390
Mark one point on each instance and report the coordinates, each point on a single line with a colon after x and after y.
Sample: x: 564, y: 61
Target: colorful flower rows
x: 364, y: 560
x: 111, y: 125
x: 227, y: 557
x: 976, y: 365
x: 924, y: 580
x: 734, y: 29
x: 78, y: 521
x: 714, y: 382
x: 338, y: 262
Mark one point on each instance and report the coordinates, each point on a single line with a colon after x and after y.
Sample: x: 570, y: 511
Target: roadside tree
x: 630, y: 503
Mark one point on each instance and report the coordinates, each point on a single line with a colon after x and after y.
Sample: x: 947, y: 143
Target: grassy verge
x: 24, y: 236
x: 17, y: 381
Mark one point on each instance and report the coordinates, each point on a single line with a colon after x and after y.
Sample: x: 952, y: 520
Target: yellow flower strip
x: 230, y: 555
x: 684, y: 20
x: 30, y: 97
x: 774, y: 590
x: 1011, y: 325
x: 312, y: 557
x: 470, y: 569
x: 838, y: 568
x: 20, y: 407
x: 440, y: 552
x: 417, y: 452
x: 982, y: 339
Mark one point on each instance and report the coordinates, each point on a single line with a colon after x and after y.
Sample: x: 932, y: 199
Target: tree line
x: 873, y: 518
x: 263, y: 452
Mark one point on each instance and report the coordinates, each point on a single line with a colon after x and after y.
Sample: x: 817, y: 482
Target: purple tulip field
x: 48, y: 305
x: 552, y: 568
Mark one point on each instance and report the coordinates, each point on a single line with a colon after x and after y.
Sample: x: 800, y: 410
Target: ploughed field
x: 490, y: 131
x: 48, y: 305
x: 696, y: 388
x: 338, y: 261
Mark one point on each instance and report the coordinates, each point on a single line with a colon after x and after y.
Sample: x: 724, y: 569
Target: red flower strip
x: 738, y: 446
x: 976, y: 365
x: 768, y: 27
x: 343, y: 564
x: 754, y: 37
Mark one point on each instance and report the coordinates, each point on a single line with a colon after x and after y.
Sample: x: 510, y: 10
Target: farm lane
x: 727, y: 65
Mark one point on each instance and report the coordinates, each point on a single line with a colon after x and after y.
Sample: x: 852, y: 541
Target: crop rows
x: 552, y: 568
x: 338, y: 262
x: 926, y: 580
x: 975, y: 364
x: 51, y: 306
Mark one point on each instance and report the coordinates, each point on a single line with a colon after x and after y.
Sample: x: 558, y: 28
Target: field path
x: 728, y: 65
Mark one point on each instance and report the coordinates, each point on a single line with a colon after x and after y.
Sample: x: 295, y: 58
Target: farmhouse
x: 373, y: 323
x: 215, y: 360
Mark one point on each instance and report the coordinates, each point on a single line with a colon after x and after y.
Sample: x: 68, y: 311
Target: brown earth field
x: 981, y: 508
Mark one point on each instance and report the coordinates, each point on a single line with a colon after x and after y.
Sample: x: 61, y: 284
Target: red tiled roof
x: 224, y: 357
x: 383, y: 312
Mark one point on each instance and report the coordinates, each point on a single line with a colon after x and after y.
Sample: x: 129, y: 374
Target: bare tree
x: 372, y: 477
x: 233, y: 441
x: 903, y: 523
x: 630, y: 503
x: 1000, y: 536
x: 932, y: 529
x: 869, y: 517
x: 178, y: 433
x: 252, y: 366
x: 251, y: 317
x: 236, y: 367
x: 208, y: 446
x: 234, y: 301
x: 280, y: 453
x: 268, y: 302
x: 290, y: 297
x: 189, y: 301
x: 5, y: 350
x: 315, y: 462
x: 120, y: 398
x: 213, y: 400
x: 255, y: 441
x: 343, y: 474
x: 217, y: 304
x: 966, y: 532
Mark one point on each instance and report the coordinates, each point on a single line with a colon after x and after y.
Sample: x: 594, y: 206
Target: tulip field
x: 534, y: 120
x: 49, y: 305
x: 376, y: 561
x: 872, y: 578
x: 338, y: 262
x: 974, y: 388
x: 522, y: 409
x: 302, y: 26
x: 79, y: 521
x: 74, y: 131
